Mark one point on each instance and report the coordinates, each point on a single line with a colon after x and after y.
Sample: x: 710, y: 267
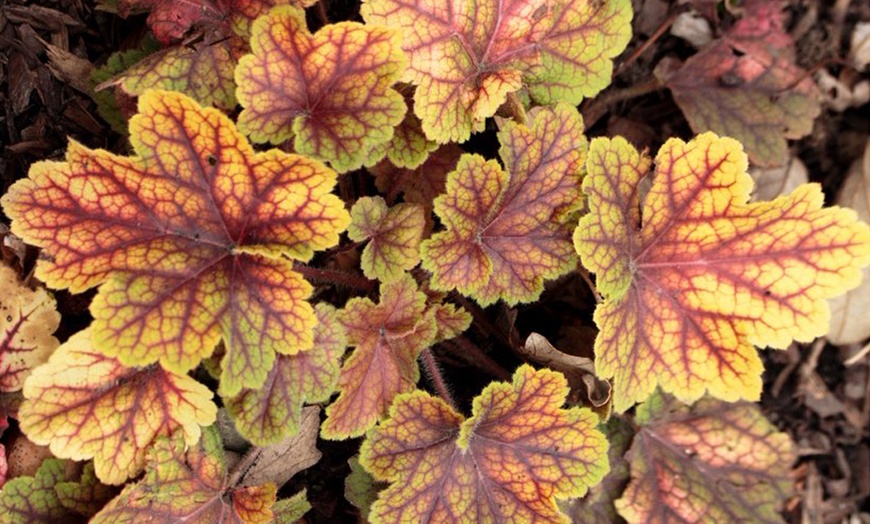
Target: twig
x: 336, y: 277
x: 462, y: 347
x: 669, y: 21
x: 599, y: 107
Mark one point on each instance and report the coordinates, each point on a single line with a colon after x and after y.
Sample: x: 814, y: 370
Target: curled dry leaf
x: 850, y: 322
x: 279, y: 462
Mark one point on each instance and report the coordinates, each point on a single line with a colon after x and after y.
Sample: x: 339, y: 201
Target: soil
x: 810, y: 391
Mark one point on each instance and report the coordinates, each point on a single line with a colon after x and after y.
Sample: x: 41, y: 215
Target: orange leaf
x: 189, y: 240
x: 698, y: 276
x: 85, y: 405
x: 517, y: 453
x: 388, y: 337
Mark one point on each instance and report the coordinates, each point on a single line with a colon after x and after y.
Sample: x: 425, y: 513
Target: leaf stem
x: 669, y: 21
x: 339, y: 278
x: 434, y: 373
x: 465, y: 349
x: 597, y: 109
x: 320, y: 9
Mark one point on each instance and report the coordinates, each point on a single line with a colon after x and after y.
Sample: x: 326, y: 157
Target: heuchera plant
x: 209, y: 253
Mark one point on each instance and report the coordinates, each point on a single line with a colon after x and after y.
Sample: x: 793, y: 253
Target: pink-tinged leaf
x: 273, y: 412
x: 28, y: 317
x: 185, y: 483
x: 85, y: 405
x: 394, y: 236
x: 509, y: 462
x: 714, y: 462
x: 388, y: 337
x: 508, y: 230
x: 746, y: 85
x: 189, y: 239
x: 331, y: 90
x: 466, y: 57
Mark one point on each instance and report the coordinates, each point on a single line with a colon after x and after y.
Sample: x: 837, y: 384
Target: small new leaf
x: 508, y: 230
x: 28, y: 317
x: 84, y: 404
x: 466, y: 57
x: 517, y: 453
x: 714, y: 462
x: 388, y: 338
x: 185, y: 483
x: 696, y: 275
x: 331, y: 90
x: 189, y: 240
x: 394, y: 236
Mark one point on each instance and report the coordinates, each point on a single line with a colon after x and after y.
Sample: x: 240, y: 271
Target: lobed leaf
x: 517, y: 453
x: 85, y: 405
x: 746, y: 85
x: 33, y: 499
x: 331, y: 90
x: 273, y: 412
x: 507, y: 230
x: 409, y: 147
x: 714, y: 462
x: 85, y: 496
x: 188, y: 484
x: 188, y: 240
x: 466, y: 57
x: 696, y: 275
x: 215, y: 33
x: 28, y: 317
x: 388, y: 337
x: 394, y: 236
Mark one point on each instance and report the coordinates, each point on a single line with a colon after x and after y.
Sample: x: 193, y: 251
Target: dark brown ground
x: 810, y: 392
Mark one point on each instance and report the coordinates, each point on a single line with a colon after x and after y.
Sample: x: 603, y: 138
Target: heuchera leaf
x: 388, y: 337
x: 394, y: 236
x: 747, y: 86
x: 188, y: 484
x: 708, y: 275
x: 290, y: 510
x: 409, y: 146
x: 510, y: 229
x: 202, y: 70
x: 28, y: 317
x: 714, y: 462
x: 331, y: 90
x: 272, y: 412
x: 466, y: 57
x: 87, y: 495
x: 188, y: 239
x: 34, y: 499
x: 203, y: 66
x: 84, y: 405
x: 517, y: 453
x: 597, y: 506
